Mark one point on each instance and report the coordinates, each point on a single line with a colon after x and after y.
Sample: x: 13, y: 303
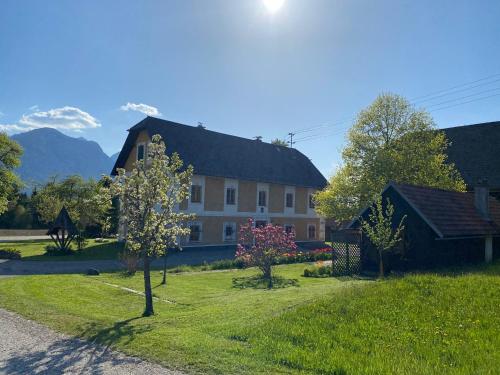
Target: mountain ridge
x: 49, y: 153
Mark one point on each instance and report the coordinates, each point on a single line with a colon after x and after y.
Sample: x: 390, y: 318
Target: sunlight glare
x: 273, y: 5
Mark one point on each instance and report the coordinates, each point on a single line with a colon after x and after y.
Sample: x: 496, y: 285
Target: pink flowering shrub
x: 262, y: 247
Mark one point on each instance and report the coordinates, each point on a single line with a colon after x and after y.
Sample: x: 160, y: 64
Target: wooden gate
x: 347, y: 252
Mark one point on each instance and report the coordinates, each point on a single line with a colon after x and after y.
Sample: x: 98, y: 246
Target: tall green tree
x: 149, y: 196
x: 10, y: 154
x: 390, y: 141
x: 87, y: 201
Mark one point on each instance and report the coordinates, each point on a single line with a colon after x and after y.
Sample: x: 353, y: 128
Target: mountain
x: 48, y: 152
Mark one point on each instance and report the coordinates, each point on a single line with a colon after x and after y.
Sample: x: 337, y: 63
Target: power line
x: 417, y: 98
x: 455, y: 91
x: 420, y: 99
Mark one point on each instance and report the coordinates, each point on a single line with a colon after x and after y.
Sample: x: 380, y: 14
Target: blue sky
x: 75, y: 65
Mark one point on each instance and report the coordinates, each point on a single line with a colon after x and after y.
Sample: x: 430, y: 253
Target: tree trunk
x: 147, y: 288
x: 380, y: 265
x: 268, y: 275
x: 164, y: 280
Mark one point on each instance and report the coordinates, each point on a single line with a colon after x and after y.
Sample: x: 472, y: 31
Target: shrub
x: 52, y: 250
x: 318, y: 271
x: 10, y: 253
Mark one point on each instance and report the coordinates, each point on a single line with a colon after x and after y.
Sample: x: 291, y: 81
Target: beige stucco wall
x: 301, y: 200
x: 214, y: 194
x: 212, y: 228
x: 247, y: 196
x: 276, y: 198
x: 143, y: 137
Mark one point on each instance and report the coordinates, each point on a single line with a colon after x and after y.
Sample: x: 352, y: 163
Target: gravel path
x: 27, y: 347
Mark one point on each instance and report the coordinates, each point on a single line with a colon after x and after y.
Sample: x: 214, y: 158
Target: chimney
x: 481, y: 199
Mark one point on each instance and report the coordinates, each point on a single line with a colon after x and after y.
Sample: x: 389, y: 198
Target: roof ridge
x: 489, y: 123
x: 291, y: 149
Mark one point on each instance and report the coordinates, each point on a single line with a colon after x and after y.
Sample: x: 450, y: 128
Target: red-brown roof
x: 450, y: 213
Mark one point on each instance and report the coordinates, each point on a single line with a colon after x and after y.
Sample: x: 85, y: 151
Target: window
x: 196, y: 194
x: 229, y: 231
x: 311, y: 201
x: 230, y: 196
x: 311, y: 231
x: 289, y: 200
x: 289, y: 228
x: 195, y: 235
x: 262, y: 198
x: 260, y: 223
x: 141, y: 151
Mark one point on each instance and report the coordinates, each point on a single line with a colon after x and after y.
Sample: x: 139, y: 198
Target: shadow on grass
x: 258, y: 282
x: 72, y: 355
x: 96, y: 251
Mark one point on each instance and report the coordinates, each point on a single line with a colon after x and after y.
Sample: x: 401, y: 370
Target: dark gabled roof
x: 475, y: 151
x: 63, y: 222
x: 222, y: 155
x: 450, y: 214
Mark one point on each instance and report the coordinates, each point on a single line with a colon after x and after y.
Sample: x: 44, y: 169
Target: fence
x: 347, y: 252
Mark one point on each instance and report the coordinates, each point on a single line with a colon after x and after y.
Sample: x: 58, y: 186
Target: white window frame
x: 290, y: 210
x: 315, y: 231
x: 310, y: 198
x: 265, y: 198
x: 191, y: 194
x: 200, y: 224
x: 143, y: 144
x: 287, y: 193
x: 226, y: 195
x: 226, y: 224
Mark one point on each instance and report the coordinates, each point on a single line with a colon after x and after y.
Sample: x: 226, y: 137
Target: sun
x: 273, y: 5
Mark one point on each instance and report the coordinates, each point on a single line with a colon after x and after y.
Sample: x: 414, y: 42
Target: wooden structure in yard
x: 346, y: 252
x: 63, y: 230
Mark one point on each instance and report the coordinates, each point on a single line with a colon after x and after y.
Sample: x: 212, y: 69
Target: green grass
x: 35, y: 250
x: 425, y: 324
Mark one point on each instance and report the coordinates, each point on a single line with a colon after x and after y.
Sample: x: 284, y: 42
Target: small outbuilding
x: 63, y: 230
x: 442, y: 227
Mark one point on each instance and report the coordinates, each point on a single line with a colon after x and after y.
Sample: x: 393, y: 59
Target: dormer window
x: 141, y: 151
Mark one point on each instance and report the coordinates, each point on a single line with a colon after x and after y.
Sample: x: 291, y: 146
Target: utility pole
x: 291, y: 142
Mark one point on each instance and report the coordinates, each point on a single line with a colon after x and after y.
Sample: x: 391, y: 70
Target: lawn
x: 425, y: 324
x: 35, y: 250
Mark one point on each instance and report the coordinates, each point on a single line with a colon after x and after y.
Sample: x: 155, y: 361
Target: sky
x: 95, y: 68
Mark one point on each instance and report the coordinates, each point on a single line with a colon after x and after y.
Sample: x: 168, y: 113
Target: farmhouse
x: 234, y: 179
x: 441, y: 227
x: 474, y: 150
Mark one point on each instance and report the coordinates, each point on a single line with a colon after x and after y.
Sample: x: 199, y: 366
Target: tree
x: 279, y: 142
x: 380, y: 229
x: 390, y: 141
x: 261, y: 246
x: 87, y: 201
x: 10, y: 154
x: 149, y: 195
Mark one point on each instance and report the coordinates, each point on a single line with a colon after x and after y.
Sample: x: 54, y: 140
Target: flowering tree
x: 380, y: 230
x: 149, y: 195
x: 261, y: 246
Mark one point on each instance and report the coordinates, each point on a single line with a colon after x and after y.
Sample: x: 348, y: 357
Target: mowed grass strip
x: 426, y: 324
x: 35, y: 250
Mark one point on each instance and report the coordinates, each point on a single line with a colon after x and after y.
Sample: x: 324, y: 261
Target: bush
x: 318, y: 271
x: 52, y: 250
x: 10, y: 253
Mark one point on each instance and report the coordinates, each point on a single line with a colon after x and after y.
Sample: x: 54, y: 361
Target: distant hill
x: 48, y: 152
